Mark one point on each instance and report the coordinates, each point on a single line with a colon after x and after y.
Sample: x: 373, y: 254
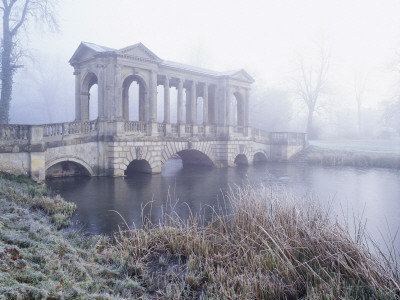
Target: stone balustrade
x: 133, y: 126
x: 63, y: 129
x: 288, y: 138
x: 10, y: 133
x: 14, y: 132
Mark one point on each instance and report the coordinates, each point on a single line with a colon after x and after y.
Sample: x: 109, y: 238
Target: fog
x: 268, y: 39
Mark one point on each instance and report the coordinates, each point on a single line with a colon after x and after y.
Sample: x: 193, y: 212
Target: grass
x: 269, y: 247
x: 25, y: 191
x: 339, y: 158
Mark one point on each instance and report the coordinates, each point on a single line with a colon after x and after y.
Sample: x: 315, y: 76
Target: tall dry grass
x: 269, y: 247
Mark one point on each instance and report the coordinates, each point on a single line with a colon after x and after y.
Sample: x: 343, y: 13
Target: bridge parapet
x: 69, y: 128
x: 15, y: 132
x: 288, y: 138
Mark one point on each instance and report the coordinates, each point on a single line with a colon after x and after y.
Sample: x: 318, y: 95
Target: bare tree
x: 360, y: 82
x: 16, y: 15
x: 311, y: 82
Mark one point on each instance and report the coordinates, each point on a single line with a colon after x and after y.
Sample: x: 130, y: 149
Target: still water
x: 373, y: 194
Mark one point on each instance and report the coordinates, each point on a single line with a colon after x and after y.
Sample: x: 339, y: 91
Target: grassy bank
x: 268, y: 248
x: 341, y: 158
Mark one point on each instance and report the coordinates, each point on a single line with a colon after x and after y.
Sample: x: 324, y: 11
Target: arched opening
x: 160, y: 104
x: 134, y: 99
x: 260, y: 157
x: 184, y: 108
x: 90, y: 98
x: 199, y: 109
x: 241, y: 160
x: 66, y: 169
x: 237, y: 110
x: 187, y: 161
x: 193, y: 157
x: 138, y: 166
x: 174, y: 105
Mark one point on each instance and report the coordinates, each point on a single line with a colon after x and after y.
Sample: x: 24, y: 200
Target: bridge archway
x: 134, y: 94
x: 260, y: 157
x: 89, y: 97
x: 241, y: 160
x: 191, y: 157
x: 237, y: 109
x: 138, y: 166
x: 69, y: 166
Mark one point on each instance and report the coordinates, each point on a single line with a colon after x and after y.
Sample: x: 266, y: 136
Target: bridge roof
x: 139, y: 51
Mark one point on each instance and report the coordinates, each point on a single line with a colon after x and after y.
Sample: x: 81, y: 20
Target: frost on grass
x: 37, y: 261
x: 269, y: 247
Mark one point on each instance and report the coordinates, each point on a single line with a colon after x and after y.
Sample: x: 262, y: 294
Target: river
x: 104, y: 202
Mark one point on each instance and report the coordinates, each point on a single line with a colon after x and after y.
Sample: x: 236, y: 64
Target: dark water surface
x: 373, y: 193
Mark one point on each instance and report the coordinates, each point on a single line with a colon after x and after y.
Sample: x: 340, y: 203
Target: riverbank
x: 268, y: 248
x: 344, y: 157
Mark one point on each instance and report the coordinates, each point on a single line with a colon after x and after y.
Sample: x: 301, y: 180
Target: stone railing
x: 238, y: 129
x: 200, y: 129
x: 288, y: 138
x: 161, y: 128
x: 256, y: 132
x: 133, y: 126
x: 174, y: 129
x: 63, y: 129
x: 14, y: 132
x: 188, y: 128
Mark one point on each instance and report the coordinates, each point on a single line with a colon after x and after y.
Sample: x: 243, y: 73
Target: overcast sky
x: 262, y: 36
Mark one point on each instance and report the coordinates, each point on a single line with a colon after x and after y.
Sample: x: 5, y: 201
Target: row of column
x: 191, y: 103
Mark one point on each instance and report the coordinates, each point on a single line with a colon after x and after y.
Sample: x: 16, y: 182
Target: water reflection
x: 373, y: 192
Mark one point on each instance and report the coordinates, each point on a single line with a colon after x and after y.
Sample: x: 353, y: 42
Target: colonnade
x: 114, y: 72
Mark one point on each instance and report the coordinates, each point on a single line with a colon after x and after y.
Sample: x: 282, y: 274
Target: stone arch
x: 195, y: 158
x: 88, y: 81
x: 172, y: 148
x: 241, y: 149
x: 140, y: 153
x: 241, y: 160
x: 143, y: 90
x: 138, y: 166
x: 237, y: 109
x: 74, y: 160
x: 260, y: 156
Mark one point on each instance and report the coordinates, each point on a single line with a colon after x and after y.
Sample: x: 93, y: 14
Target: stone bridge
x: 206, y: 124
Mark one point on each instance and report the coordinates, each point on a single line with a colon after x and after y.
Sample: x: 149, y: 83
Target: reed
x: 269, y: 247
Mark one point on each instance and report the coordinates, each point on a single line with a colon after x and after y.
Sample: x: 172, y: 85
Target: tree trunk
x: 7, y: 70
x: 309, y: 123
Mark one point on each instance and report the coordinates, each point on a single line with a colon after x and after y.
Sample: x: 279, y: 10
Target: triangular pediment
x: 86, y: 51
x: 241, y: 75
x: 139, y: 51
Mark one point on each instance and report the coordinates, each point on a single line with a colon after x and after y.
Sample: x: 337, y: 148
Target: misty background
x: 269, y: 39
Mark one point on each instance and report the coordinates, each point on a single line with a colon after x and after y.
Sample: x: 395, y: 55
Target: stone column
x: 246, y: 107
x: 166, y: 101
x: 84, y: 106
x: 78, y: 116
x: 189, y: 93
x: 180, y: 102
x: 167, y: 108
x: 246, y: 129
x: 193, y: 104
x: 216, y: 104
x: 205, y: 104
x: 228, y: 107
x: 101, y: 93
x: 153, y: 97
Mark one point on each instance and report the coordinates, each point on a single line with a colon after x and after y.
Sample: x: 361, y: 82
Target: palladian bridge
x: 205, y: 120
